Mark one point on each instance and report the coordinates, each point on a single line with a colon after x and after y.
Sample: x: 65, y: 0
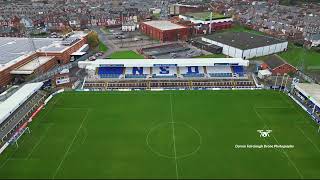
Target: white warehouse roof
x: 11, y: 104
x: 163, y: 25
x: 162, y: 62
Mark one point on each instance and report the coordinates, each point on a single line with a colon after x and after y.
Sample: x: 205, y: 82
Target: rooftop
x: 13, y: 49
x: 243, y: 40
x: 274, y: 61
x: 205, y: 16
x: 32, y: 65
x: 187, y: 5
x: 311, y: 90
x: 163, y: 25
x: 162, y: 62
x: 8, y: 106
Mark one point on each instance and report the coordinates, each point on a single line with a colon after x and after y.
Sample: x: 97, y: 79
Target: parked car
x: 117, y: 33
x: 92, y: 58
x: 120, y: 37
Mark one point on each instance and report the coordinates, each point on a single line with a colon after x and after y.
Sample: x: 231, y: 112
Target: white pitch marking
x: 174, y: 139
x: 5, y: 162
x: 299, y: 112
x: 284, y: 152
x: 317, y: 148
x: 39, y: 141
x: 74, y: 138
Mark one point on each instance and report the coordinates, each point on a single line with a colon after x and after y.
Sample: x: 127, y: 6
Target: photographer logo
x: 264, y: 133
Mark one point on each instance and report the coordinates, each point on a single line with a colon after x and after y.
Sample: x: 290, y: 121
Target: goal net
x: 14, y: 139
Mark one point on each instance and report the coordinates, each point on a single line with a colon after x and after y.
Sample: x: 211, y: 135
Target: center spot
x: 185, y: 141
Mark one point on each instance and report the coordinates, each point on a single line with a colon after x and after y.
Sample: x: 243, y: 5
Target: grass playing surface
x: 126, y: 55
x: 102, y: 47
x: 171, y: 134
x: 296, y: 54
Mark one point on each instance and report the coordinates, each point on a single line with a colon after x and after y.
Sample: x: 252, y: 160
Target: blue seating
x: 110, y: 72
x: 220, y: 74
x: 317, y: 108
x: 238, y: 70
x: 109, y: 75
x: 310, y: 103
x: 136, y: 76
x: 157, y: 76
x: 193, y: 70
x: 193, y: 75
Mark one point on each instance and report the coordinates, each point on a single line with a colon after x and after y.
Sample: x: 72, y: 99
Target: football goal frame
x: 18, y: 136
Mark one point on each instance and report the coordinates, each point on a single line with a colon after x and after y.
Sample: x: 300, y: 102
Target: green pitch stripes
x: 169, y: 135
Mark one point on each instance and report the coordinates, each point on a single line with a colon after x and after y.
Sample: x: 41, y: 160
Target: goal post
x: 17, y: 135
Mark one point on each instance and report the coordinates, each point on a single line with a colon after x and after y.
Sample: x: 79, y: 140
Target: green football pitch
x: 168, y: 134
x: 125, y: 55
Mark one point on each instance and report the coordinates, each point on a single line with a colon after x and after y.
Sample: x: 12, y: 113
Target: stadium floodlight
x: 275, y: 83
x: 285, y: 84
x: 282, y: 81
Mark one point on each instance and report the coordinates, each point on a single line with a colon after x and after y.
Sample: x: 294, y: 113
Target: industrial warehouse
x: 246, y: 45
x: 216, y: 21
x: 164, y: 30
x: 21, y: 57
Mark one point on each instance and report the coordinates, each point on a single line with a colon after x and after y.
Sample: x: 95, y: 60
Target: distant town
x: 152, y: 89
x: 268, y: 33
x: 298, y: 23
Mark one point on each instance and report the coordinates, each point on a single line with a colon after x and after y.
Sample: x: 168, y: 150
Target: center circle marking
x: 178, y: 156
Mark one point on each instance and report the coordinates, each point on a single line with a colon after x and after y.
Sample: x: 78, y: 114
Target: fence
x: 306, y: 77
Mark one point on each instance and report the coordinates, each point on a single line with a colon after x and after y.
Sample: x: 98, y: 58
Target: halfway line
x: 174, y: 138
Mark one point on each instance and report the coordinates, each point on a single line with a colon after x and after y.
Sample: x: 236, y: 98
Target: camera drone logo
x: 264, y: 133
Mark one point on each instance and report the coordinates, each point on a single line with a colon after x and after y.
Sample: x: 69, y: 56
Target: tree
x: 65, y: 30
x: 93, y: 40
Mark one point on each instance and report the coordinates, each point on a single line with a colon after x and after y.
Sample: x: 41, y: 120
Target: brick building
x: 165, y: 30
x: 278, y: 66
x: 204, y: 22
x: 177, y: 9
x: 49, y: 53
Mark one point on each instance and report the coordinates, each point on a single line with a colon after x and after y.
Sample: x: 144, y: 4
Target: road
x: 102, y: 36
x: 113, y: 47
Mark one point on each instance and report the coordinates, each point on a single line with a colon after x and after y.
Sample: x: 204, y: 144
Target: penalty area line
x: 310, y: 140
x: 74, y: 138
x: 39, y: 141
x: 11, y: 155
x: 283, y: 151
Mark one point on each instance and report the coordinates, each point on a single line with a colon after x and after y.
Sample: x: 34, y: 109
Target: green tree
x: 93, y: 40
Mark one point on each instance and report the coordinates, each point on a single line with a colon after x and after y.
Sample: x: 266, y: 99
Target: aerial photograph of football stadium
x: 159, y: 89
